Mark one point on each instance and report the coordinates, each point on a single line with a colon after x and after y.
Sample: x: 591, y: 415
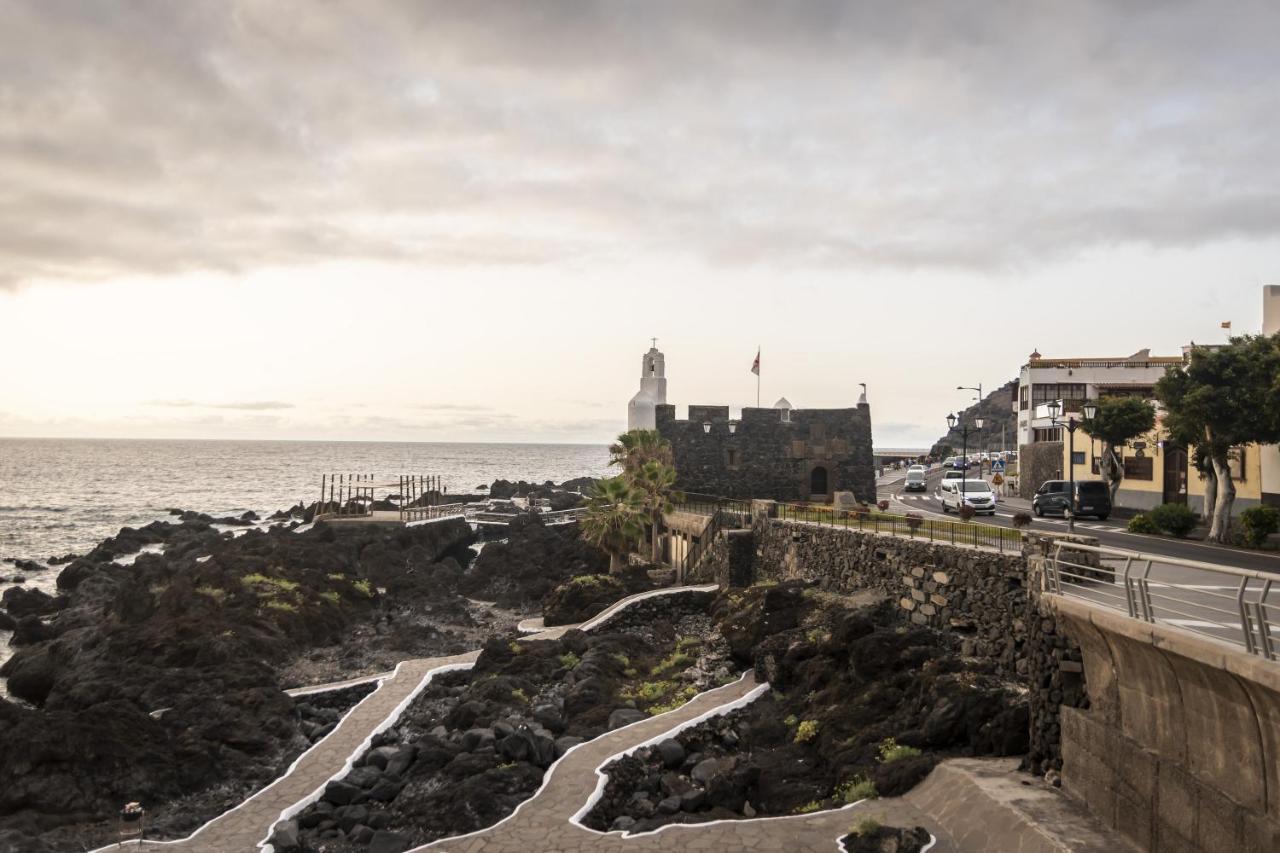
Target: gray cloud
x: 157, y: 137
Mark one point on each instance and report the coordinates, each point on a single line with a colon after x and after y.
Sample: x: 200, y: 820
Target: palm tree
x: 656, y: 483
x: 634, y: 448
x: 615, y: 518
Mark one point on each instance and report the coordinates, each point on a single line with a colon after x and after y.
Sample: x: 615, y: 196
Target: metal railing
x: 958, y: 533
x: 1220, y: 602
x: 698, y: 504
x: 428, y: 513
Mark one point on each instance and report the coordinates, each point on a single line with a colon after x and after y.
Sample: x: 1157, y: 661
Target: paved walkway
x: 543, y: 823
x: 241, y: 829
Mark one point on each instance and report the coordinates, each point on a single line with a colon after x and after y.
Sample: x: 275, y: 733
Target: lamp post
x: 978, y: 390
x: 1071, y: 424
x: 964, y: 447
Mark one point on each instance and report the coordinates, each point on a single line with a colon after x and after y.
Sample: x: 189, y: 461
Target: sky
x: 445, y: 221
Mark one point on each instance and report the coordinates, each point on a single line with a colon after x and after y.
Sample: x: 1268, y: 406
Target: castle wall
x: 767, y: 457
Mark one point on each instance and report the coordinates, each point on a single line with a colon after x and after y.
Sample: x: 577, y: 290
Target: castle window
x: 731, y: 458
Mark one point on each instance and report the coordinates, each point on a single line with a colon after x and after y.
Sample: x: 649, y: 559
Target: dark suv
x: 1092, y: 498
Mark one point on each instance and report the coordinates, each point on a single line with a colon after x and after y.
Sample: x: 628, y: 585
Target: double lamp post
x: 964, y: 446
x: 1090, y: 410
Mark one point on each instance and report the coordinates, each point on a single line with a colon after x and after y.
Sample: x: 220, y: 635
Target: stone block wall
x: 1037, y: 463
x: 767, y: 457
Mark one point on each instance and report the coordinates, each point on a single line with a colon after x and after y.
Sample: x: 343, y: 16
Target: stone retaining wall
x: 989, y: 600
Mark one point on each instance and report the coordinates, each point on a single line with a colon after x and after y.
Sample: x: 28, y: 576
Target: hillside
x: 997, y: 411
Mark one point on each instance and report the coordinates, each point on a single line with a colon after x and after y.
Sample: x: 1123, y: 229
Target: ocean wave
x: 35, y: 509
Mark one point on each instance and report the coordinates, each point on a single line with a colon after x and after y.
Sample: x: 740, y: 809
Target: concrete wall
x: 1180, y: 747
x: 1037, y: 463
x: 767, y: 457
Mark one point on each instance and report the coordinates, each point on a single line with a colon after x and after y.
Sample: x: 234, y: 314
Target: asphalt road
x: 1197, y: 599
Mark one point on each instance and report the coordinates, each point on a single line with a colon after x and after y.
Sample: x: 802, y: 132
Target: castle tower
x: 652, y: 393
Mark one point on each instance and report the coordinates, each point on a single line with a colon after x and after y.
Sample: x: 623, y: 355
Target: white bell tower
x: 653, y: 390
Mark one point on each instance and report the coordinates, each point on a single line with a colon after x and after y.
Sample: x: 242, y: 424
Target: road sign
x: 997, y: 479
x: 998, y: 465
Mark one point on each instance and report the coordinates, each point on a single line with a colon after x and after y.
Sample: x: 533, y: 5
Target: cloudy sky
x: 463, y: 221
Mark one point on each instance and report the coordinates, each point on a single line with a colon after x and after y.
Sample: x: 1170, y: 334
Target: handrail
x: 1148, y: 593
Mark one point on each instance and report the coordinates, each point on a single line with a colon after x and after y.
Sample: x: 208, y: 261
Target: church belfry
x: 652, y: 393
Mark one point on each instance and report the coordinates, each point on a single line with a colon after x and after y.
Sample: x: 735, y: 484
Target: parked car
x: 948, y: 476
x: 1054, y: 496
x: 975, y: 493
x: 915, y: 481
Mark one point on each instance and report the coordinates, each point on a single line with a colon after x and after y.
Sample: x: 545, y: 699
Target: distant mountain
x: 996, y: 409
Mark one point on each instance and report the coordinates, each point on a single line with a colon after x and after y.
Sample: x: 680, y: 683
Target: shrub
x: 966, y: 512
x: 362, y: 586
x: 569, y: 660
x: 673, y: 662
x: 1257, y: 523
x: 914, y: 520
x: 890, y: 751
x: 218, y: 595
x: 282, y: 606
x: 857, y: 788
x: 331, y: 597
x: 866, y: 826
x: 807, y: 731
x: 791, y: 721
x: 811, y: 806
x: 621, y: 660
x: 1175, y: 519
x: 883, y: 505
x: 1142, y: 523
x: 1021, y: 520
x: 520, y: 696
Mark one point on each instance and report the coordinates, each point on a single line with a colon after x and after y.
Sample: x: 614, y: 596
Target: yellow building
x: 1156, y: 471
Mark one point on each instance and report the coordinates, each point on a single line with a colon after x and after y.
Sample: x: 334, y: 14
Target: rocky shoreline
x: 157, y: 671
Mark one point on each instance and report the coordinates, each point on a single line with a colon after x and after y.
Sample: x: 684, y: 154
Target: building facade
x: 780, y: 453
x: 1270, y: 456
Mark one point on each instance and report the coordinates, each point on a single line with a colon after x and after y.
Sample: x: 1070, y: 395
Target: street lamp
x: 706, y: 426
x: 1090, y: 409
x: 733, y: 427
x: 952, y: 420
x: 977, y: 389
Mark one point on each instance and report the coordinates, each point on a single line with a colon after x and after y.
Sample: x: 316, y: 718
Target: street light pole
x: 977, y: 388
x: 964, y: 448
x: 1090, y: 411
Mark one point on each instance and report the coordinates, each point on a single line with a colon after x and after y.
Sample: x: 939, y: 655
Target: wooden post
x: 320, y: 503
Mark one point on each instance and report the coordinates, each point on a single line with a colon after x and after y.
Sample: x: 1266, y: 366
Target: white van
x: 976, y: 493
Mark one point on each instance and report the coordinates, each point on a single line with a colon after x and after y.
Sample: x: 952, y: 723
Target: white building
x: 1074, y: 380
x: 652, y: 393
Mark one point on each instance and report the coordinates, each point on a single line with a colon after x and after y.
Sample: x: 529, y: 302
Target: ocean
x: 60, y: 496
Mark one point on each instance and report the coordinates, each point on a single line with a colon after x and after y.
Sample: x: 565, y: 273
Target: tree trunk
x: 656, y: 556
x: 1220, y: 529
x: 1210, y: 492
x: 1111, y: 469
x: 615, y: 563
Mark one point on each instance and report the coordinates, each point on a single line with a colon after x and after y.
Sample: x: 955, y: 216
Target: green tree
x: 615, y: 518
x: 1118, y: 421
x: 638, y: 446
x: 1225, y: 398
x: 656, y: 483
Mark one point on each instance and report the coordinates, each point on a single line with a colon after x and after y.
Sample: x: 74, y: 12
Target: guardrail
x: 959, y: 533
x: 1220, y: 602
x: 427, y: 513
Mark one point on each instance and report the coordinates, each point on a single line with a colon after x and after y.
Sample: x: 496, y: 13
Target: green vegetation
x: 615, y: 519
x: 362, y: 587
x: 1118, y: 421
x: 520, y: 696
x: 273, y: 585
x: 1174, y: 519
x: 807, y: 731
x: 569, y: 660
x: 336, y: 576
x: 648, y: 691
x: 818, y: 636
x: 331, y: 597
x: 791, y: 721
x: 811, y: 806
x: 684, y: 694
x: 1222, y: 399
x: 284, y: 606
x: 890, y: 751
x: 866, y: 826
x: 1257, y: 523
x: 857, y: 788
x: 687, y: 643
x: 218, y: 595
x: 158, y: 589
x: 672, y: 663
x: 621, y: 660
x: 515, y: 648
x: 1142, y: 523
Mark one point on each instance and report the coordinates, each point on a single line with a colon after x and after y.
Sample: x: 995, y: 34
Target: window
x: 731, y: 458
x: 1046, y: 434
x: 1023, y: 397
x: 1235, y: 463
x: 1139, y: 468
x: 1077, y: 458
x: 1050, y: 391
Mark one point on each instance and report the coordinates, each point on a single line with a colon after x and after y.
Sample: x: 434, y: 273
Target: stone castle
x: 781, y: 453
